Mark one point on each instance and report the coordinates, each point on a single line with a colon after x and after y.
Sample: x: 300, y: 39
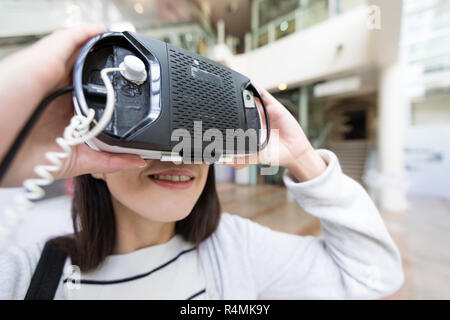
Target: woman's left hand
x: 288, y: 145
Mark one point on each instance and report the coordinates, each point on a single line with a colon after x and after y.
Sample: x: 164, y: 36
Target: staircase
x: 352, y: 156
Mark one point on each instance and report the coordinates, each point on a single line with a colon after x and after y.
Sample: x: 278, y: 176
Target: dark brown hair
x: 95, y: 224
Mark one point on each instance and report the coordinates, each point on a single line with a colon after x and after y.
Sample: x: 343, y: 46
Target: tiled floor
x: 422, y: 233
x: 424, y: 230
x: 267, y: 205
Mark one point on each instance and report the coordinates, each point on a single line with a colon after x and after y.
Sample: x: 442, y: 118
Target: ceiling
x: 235, y: 13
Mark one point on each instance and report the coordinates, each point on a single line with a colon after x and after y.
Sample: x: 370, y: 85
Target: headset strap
x: 256, y: 92
x: 47, y: 274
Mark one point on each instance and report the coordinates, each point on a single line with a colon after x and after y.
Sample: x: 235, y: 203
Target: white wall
x: 434, y: 110
x: 428, y: 160
x: 312, y: 53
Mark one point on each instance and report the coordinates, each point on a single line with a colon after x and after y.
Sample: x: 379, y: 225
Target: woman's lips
x: 162, y: 178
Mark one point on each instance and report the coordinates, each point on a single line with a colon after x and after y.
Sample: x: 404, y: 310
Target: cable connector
x: 133, y: 69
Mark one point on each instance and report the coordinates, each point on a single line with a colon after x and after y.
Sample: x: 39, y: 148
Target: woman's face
x: 162, y: 191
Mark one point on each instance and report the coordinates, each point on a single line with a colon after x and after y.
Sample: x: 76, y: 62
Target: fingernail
x: 137, y: 164
x: 143, y: 165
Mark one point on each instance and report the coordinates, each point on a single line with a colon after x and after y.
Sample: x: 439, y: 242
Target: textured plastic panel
x: 201, y: 90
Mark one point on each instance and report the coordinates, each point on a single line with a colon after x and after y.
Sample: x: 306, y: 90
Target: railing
x: 189, y: 35
x: 306, y: 15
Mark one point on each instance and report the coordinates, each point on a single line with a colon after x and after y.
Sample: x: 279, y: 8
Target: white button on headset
x: 133, y: 69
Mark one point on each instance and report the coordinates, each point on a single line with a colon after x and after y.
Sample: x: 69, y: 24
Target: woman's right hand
x: 27, y: 77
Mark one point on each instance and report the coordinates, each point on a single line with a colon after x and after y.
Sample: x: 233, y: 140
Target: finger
x: 62, y: 43
x: 71, y: 61
x: 54, y: 52
x: 274, y: 108
x: 112, y: 162
x: 88, y: 160
x: 237, y: 166
x: 272, y: 104
x: 243, y: 161
x: 267, y: 97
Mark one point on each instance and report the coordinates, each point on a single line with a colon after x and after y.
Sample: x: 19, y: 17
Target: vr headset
x: 178, y: 90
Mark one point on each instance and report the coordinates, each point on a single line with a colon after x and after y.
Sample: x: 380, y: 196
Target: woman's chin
x: 167, y: 216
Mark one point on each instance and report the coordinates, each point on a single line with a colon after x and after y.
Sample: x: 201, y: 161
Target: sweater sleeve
x: 355, y: 258
x: 16, y: 269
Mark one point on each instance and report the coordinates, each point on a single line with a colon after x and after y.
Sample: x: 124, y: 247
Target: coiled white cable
x: 75, y: 133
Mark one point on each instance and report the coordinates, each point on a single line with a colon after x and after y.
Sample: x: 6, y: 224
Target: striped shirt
x: 165, y: 271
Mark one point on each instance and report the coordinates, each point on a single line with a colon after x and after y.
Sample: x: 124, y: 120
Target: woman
x: 157, y: 232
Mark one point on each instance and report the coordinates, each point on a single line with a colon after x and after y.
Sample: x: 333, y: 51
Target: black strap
x: 48, y: 273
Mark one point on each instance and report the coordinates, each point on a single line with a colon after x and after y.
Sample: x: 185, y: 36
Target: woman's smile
x: 173, y: 178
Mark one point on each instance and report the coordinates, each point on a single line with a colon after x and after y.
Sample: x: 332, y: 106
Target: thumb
x: 85, y: 160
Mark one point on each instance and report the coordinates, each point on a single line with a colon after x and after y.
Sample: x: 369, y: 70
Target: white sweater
x: 355, y: 258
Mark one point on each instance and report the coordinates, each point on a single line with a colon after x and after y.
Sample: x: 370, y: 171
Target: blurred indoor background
x: 368, y: 79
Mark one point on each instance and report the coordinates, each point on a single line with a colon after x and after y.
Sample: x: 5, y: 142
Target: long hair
x: 94, y: 221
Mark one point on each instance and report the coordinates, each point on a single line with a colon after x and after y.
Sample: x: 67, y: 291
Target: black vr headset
x: 180, y: 90
x: 133, y: 93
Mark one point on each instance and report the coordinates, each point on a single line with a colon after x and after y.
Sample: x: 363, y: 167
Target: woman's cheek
x: 124, y: 184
